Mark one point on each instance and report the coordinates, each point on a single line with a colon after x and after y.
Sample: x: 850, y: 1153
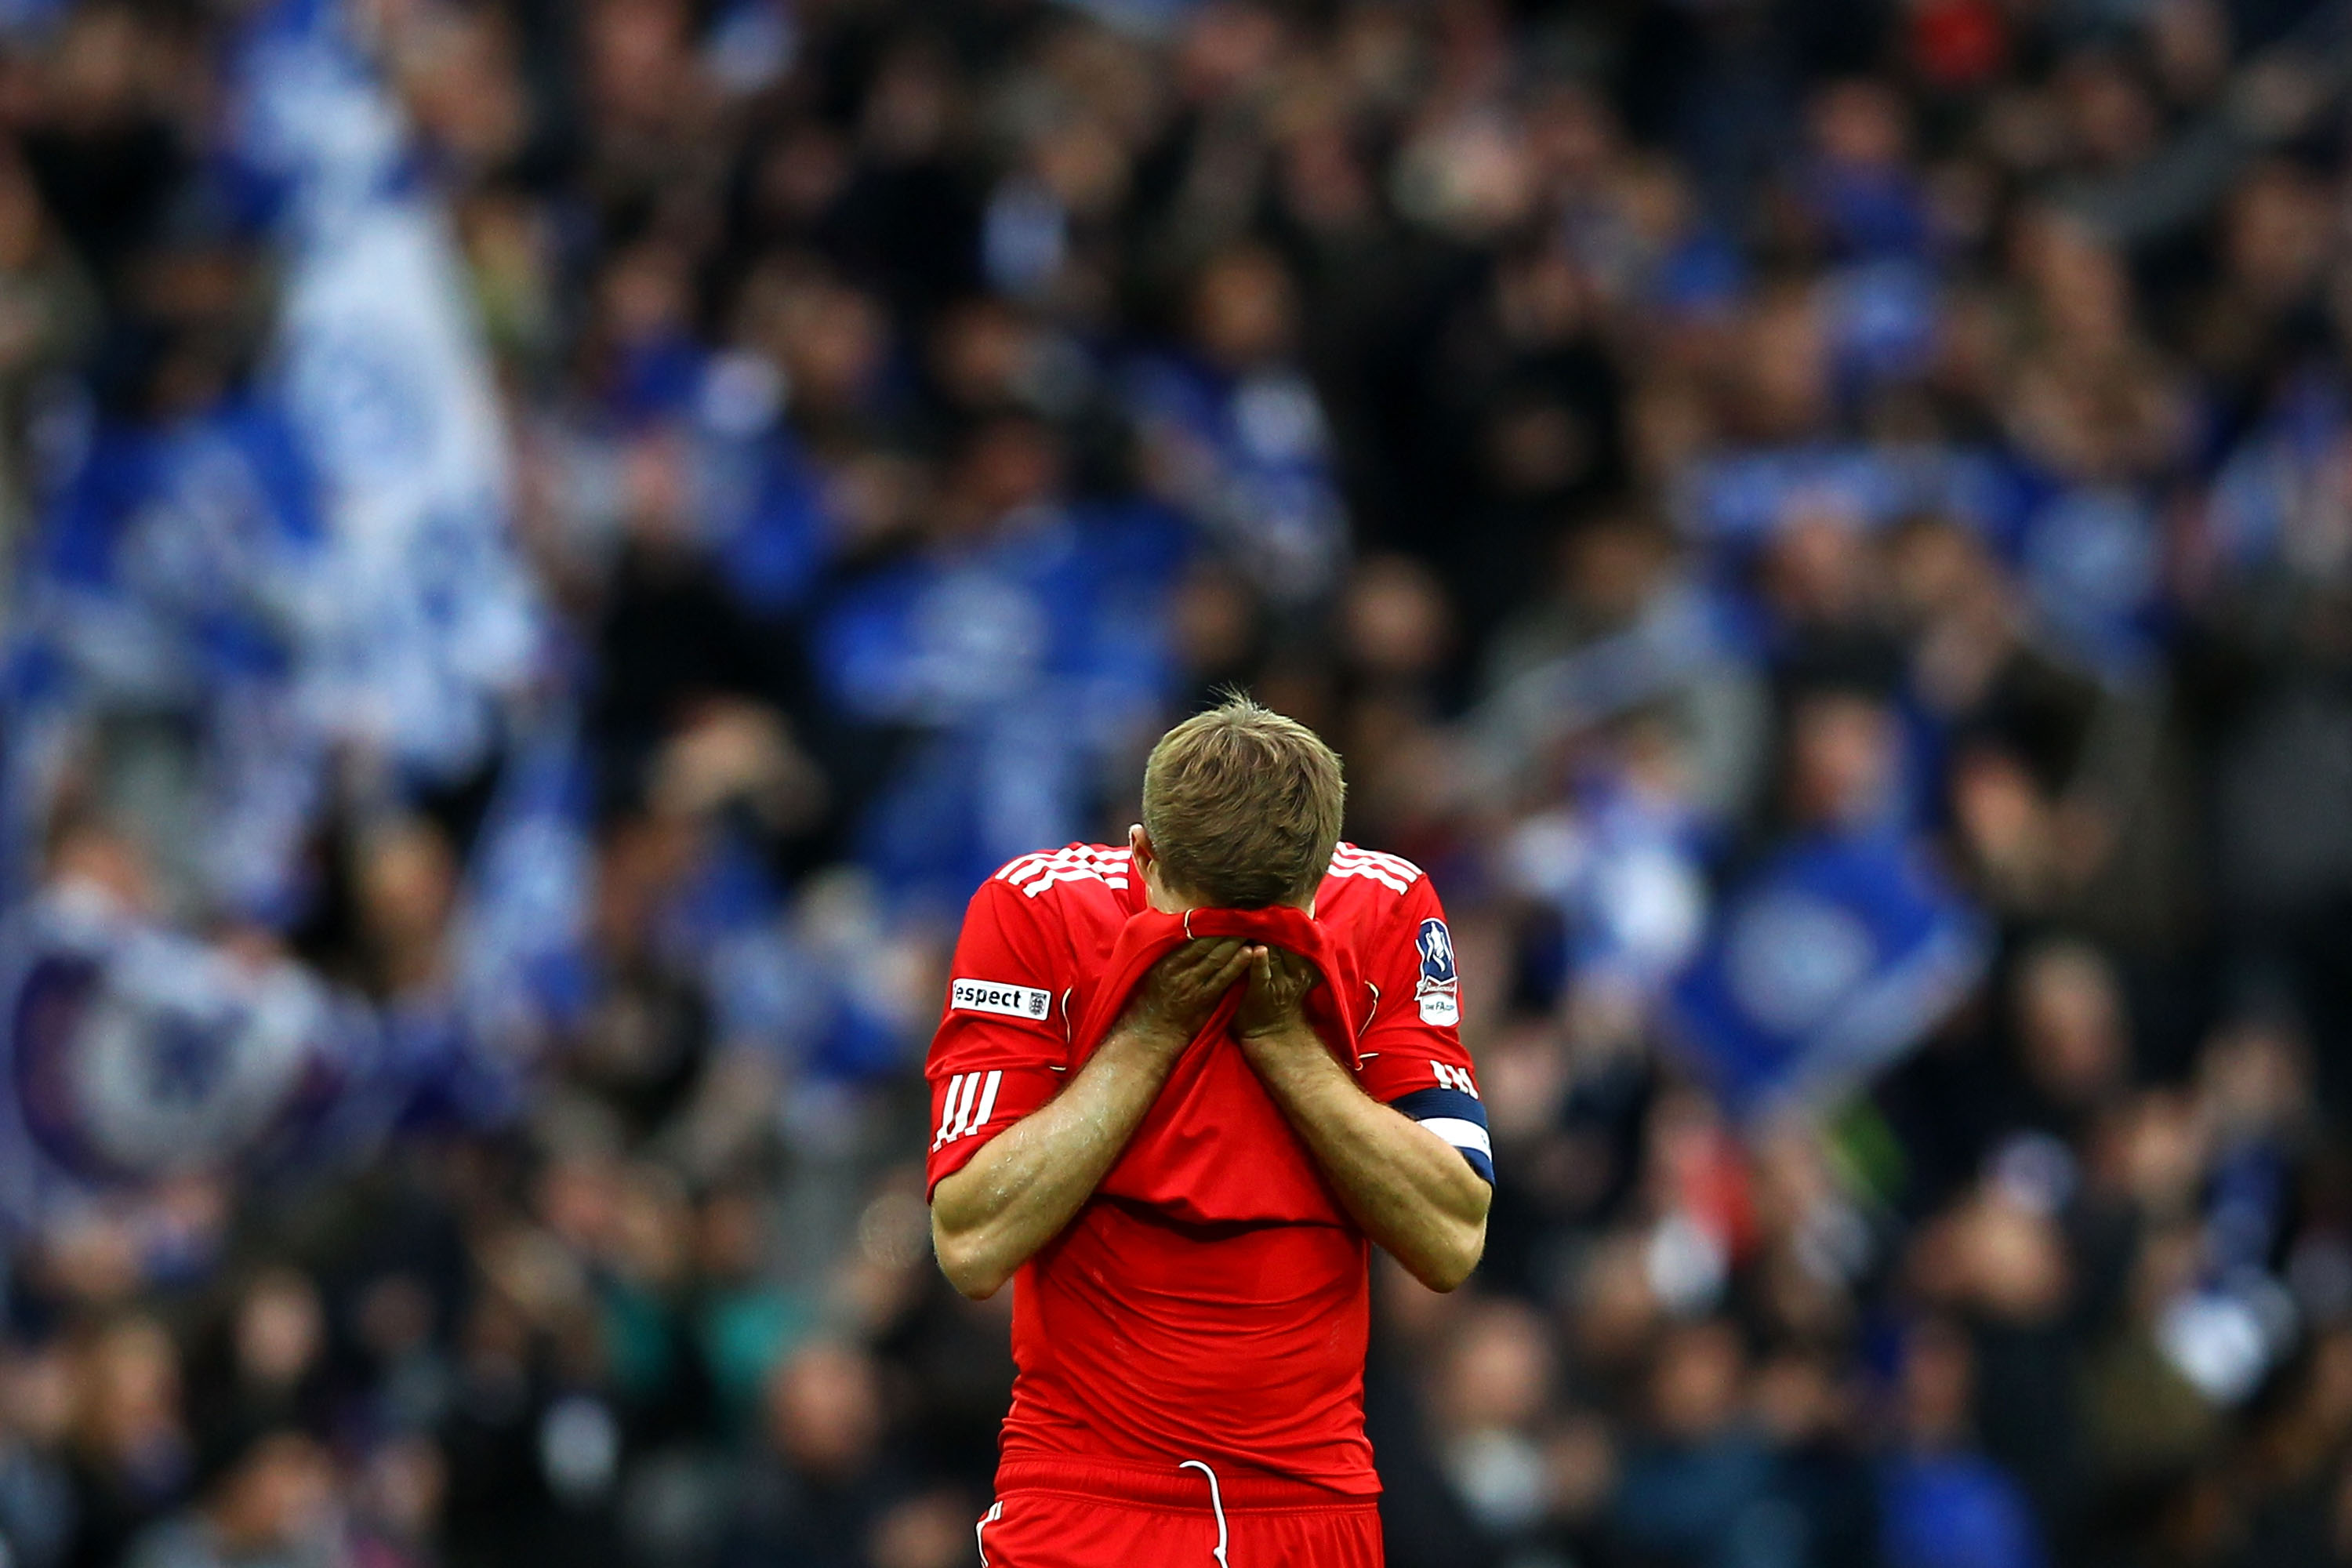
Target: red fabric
x: 1187, y: 1158
x: 1143, y: 1340
x: 1212, y: 1301
x: 1080, y: 1518
x: 1958, y: 44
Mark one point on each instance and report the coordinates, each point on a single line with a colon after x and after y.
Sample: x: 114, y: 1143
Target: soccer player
x: 1178, y: 1088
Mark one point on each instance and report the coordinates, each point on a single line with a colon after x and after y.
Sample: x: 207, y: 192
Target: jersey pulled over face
x: 1152, y: 1333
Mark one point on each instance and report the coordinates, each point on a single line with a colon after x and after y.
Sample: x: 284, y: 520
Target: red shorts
x: 1187, y: 1520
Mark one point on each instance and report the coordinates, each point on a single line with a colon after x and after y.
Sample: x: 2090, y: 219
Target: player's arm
x: 1018, y: 1192
x: 1414, y: 1192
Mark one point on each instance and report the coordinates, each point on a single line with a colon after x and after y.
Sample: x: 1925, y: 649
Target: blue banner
x: 1837, y: 955
x: 420, y: 615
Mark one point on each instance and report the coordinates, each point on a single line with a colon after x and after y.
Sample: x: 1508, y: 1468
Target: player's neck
x: 1168, y: 901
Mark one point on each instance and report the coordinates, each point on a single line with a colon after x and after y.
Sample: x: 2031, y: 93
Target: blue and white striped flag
x: 421, y: 616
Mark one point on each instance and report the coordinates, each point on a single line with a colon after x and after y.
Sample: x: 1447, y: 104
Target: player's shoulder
x: 1375, y: 869
x: 1372, y: 886
x: 1076, y: 873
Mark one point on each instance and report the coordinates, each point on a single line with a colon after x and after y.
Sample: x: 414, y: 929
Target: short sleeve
x: 1412, y: 1049
x: 1002, y: 1041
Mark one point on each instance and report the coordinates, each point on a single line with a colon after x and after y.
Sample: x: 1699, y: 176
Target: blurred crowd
x: 550, y: 546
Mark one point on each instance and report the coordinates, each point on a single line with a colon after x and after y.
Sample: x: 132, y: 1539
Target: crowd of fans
x: 1825, y: 526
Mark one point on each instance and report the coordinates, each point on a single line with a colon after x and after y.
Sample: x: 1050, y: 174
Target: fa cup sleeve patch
x: 1437, y: 992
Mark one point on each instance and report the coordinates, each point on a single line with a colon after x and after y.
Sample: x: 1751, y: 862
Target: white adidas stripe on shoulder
x: 1109, y: 861
x: 1392, y: 872
x: 1395, y: 864
x: 1033, y: 874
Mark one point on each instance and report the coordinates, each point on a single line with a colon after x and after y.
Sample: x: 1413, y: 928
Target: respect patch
x: 1028, y: 1002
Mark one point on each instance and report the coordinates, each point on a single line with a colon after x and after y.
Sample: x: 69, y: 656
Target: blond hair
x: 1243, y: 807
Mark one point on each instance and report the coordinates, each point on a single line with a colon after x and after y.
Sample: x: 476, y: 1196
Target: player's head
x: 1241, y: 810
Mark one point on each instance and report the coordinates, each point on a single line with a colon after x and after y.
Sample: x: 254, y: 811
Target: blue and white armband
x: 1457, y: 1118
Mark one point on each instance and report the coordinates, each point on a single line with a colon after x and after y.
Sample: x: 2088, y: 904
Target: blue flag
x: 1840, y: 954
x: 135, y: 1053
x: 1014, y: 668
x: 420, y: 615
x: 166, y: 578
x: 1252, y: 463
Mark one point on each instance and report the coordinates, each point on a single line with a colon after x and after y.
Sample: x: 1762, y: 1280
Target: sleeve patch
x: 1437, y: 991
x: 1031, y: 1002
x: 1457, y: 1118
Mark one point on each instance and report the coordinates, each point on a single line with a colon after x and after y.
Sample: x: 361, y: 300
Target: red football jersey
x: 1210, y: 1301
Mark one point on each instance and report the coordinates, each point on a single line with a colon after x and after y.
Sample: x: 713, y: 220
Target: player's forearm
x: 1019, y: 1191
x: 1411, y: 1191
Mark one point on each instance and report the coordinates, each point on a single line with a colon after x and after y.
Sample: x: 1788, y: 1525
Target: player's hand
x: 1275, y: 1003
x: 1182, y: 989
